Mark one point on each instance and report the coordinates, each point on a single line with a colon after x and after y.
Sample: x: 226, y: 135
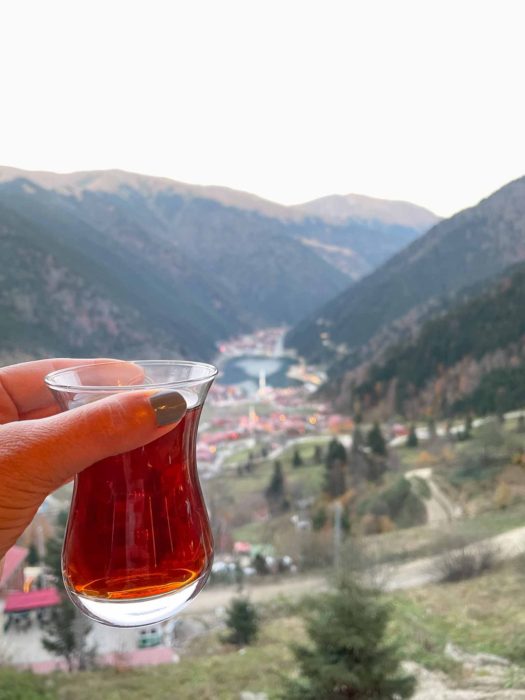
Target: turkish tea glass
x: 138, y: 545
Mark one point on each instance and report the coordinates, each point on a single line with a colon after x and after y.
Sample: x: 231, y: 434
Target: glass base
x: 139, y: 611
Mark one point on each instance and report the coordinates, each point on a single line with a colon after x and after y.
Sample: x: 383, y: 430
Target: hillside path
x: 440, y: 509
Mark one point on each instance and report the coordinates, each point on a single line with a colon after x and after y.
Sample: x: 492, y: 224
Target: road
x: 440, y: 509
x: 26, y: 647
x: 420, y: 572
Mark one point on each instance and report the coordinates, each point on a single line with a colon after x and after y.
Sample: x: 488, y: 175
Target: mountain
x: 338, y: 208
x: 388, y: 305
x: 470, y: 357
x: 355, y: 241
x: 133, y: 271
x: 116, y: 263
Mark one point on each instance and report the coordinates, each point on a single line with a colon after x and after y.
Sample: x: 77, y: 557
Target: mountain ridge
x: 470, y: 345
x: 384, y: 307
x: 143, y: 275
x: 111, y: 180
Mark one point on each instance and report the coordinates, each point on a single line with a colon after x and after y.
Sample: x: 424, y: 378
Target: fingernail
x: 169, y: 407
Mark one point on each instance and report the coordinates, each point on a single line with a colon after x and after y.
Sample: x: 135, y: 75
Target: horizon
x: 210, y: 185
x: 291, y: 103
x: 216, y: 185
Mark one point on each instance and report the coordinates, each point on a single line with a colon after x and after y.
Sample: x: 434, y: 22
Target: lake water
x: 246, y: 369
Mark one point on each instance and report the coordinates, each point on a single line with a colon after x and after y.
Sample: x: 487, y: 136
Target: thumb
x: 43, y: 454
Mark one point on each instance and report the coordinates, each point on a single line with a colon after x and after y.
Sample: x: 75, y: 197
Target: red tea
x: 138, y: 525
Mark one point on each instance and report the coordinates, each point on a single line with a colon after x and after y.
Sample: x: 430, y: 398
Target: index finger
x: 23, y: 393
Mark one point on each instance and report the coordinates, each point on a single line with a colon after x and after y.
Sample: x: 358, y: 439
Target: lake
x: 246, y: 369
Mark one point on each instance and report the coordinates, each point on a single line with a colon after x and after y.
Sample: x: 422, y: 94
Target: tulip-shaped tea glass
x: 138, y: 544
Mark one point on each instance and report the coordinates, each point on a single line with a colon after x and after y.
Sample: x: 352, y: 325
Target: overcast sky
x: 291, y: 100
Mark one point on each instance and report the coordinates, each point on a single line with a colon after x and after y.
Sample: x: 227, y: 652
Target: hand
x: 41, y: 449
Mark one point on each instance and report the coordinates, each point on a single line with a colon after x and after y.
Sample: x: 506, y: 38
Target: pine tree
x: 276, y: 486
x: 32, y: 557
x: 412, y: 439
x: 348, y: 656
x: 65, y: 635
x: 275, y: 490
x: 242, y: 621
x: 65, y: 632
x: 297, y: 460
x: 336, y: 450
x: 376, y: 441
x: 318, y: 454
x: 319, y: 519
x: 357, y: 439
x: 466, y: 433
x: 335, y: 478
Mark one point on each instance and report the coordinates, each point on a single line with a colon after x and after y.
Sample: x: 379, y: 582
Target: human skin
x: 42, y: 448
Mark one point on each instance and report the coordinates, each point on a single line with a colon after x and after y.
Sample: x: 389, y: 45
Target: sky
x: 292, y: 100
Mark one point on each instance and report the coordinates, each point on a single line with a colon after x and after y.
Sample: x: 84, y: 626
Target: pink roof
x: 19, y: 602
x: 242, y: 547
x: 140, y: 657
x: 13, y: 559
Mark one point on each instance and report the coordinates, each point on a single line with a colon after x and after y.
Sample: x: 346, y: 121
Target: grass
x: 238, y: 457
x: 416, y: 542
x: 220, y: 675
x: 486, y: 614
x: 306, y: 480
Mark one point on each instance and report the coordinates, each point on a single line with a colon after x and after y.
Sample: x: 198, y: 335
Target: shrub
x: 397, y: 502
x: 319, y: 519
x: 466, y: 562
x: 421, y: 488
x: 242, y: 621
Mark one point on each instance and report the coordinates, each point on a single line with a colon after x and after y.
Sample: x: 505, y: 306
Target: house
x: 12, y: 574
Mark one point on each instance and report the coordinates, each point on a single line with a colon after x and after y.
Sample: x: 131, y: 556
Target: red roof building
x: 34, y: 600
x: 12, y: 574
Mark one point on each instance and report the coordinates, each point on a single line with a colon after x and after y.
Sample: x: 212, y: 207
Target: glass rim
x: 51, y: 378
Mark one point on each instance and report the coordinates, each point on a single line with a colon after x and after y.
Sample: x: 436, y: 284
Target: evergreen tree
x: 466, y: 433
x: 275, y: 490
x: 260, y: 565
x: 520, y: 427
x: 242, y: 621
x: 65, y: 635
x: 276, y: 486
x: 65, y: 632
x: 297, y: 460
x: 335, y: 478
x: 53, y: 558
x: 357, y: 439
x: 318, y: 454
x: 336, y: 450
x: 376, y: 441
x: 412, y: 439
x: 348, y: 656
x: 319, y: 519
x: 32, y: 557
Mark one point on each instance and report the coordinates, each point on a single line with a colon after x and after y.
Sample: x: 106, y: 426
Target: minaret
x: 262, y: 382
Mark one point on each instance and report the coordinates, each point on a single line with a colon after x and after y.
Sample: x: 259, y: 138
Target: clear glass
x: 138, y: 544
